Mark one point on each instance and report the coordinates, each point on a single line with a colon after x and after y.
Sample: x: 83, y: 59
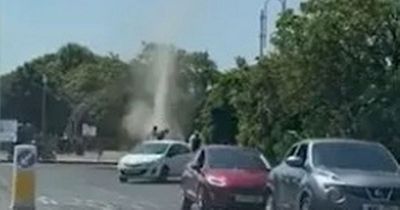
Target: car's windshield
x: 235, y: 159
x: 153, y: 148
x: 367, y: 157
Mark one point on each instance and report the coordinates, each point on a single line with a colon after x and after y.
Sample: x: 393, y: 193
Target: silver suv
x: 336, y: 175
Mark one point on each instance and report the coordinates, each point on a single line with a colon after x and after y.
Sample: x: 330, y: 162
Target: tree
x: 75, y: 76
x: 85, y: 87
x: 333, y: 73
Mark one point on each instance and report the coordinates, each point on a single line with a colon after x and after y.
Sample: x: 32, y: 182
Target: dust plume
x: 155, y: 92
x: 154, y: 95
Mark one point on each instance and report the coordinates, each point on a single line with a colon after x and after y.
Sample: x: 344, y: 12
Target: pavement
x: 108, y: 158
x: 92, y: 187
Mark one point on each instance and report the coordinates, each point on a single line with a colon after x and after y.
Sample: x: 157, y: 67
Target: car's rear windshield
x: 358, y: 156
x: 150, y: 148
x: 235, y: 159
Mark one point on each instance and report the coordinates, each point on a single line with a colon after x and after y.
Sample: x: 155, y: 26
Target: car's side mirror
x: 294, y: 161
x: 195, y: 167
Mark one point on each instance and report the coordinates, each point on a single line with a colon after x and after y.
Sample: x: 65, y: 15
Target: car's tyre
x: 164, y: 173
x: 123, y: 179
x: 186, y: 203
x: 305, y: 203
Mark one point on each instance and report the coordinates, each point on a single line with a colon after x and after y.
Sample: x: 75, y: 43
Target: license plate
x: 248, y: 199
x: 380, y: 207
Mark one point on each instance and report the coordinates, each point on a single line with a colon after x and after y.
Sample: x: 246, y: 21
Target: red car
x: 226, y: 177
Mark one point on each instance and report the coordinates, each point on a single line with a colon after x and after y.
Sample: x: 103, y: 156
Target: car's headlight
x: 120, y: 164
x: 327, y: 179
x: 330, y: 183
x: 216, y: 181
x: 335, y: 195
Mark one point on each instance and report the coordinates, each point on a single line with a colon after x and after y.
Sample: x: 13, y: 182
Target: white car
x: 158, y: 159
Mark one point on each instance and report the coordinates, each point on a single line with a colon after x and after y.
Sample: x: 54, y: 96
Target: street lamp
x: 43, y: 120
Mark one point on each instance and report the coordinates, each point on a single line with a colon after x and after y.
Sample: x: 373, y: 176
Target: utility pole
x: 264, y: 29
x: 44, y: 101
x: 262, y: 33
x: 264, y: 26
x: 283, y: 2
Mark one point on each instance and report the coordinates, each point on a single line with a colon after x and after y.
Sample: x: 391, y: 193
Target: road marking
x: 137, y: 207
x: 46, y: 200
x: 149, y: 204
x: 55, y: 203
x: 76, y: 202
x: 43, y: 200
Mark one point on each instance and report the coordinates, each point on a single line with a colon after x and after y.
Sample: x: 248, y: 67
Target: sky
x: 224, y: 28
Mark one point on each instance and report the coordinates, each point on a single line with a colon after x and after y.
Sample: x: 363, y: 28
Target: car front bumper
x: 221, y: 198
x: 355, y: 203
x: 145, y: 171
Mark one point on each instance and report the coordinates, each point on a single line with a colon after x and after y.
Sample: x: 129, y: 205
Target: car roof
x: 336, y: 140
x: 227, y: 147
x: 165, y: 141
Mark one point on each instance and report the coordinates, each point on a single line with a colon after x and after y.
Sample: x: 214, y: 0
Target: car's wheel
x: 163, y: 176
x: 123, y: 179
x: 305, y: 203
x: 186, y: 203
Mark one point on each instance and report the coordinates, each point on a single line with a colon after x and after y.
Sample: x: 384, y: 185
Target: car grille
x: 134, y: 166
x: 359, y: 192
x: 396, y: 194
x: 248, y: 191
x: 374, y: 193
x: 133, y: 172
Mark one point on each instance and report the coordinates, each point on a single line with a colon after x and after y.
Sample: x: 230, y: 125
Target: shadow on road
x: 105, y: 167
x: 152, y: 182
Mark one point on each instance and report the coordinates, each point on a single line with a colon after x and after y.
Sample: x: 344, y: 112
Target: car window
x: 236, y: 159
x: 173, y: 151
x: 302, y: 152
x: 178, y: 150
x: 291, y: 151
x: 182, y: 149
x: 355, y: 156
x: 152, y: 148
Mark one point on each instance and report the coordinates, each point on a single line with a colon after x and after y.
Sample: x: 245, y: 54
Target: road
x: 90, y: 187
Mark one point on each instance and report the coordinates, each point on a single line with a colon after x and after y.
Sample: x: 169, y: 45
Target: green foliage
x: 83, y: 86
x: 333, y: 73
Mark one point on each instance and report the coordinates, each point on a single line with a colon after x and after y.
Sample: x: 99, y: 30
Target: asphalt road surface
x: 90, y: 187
